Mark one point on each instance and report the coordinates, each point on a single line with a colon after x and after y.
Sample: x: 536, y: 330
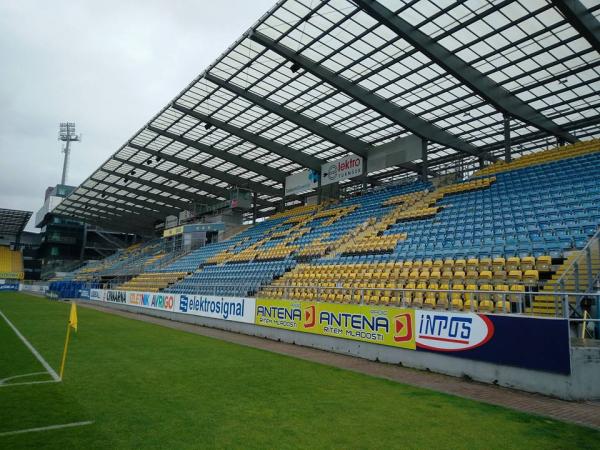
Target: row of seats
x: 233, y: 278
x: 152, y: 282
x: 558, y: 153
x: 11, y: 264
x: 454, y: 296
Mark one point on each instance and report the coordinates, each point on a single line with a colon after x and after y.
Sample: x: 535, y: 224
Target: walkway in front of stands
x: 582, y: 413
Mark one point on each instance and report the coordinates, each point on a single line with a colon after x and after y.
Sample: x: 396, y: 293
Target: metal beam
x: 110, y: 222
x: 480, y: 84
x: 523, y: 139
x: 581, y: 19
x: 390, y: 110
x: 166, y: 209
x: 213, y: 173
x: 248, y: 164
x: 215, y: 190
x: 328, y: 133
x: 161, y: 187
x: 286, y: 152
x: 345, y: 141
x: 113, y: 209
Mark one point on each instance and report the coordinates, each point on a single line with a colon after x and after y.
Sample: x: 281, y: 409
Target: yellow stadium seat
x: 543, y: 263
x: 443, y: 296
x: 456, y: 300
x: 419, y: 296
x: 499, y: 276
x: 486, y: 304
x: 460, y: 264
x: 431, y: 295
x: 470, y: 298
x: 472, y: 264
x: 408, y: 295
x: 517, y: 296
x: 471, y: 277
x: 527, y: 263
x: 498, y: 263
x: 513, y: 263
x: 515, y: 276
x: 485, y: 264
x: 531, y: 277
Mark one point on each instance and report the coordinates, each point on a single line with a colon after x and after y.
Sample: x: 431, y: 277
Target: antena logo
x: 403, y: 330
x: 451, y: 332
x: 309, y: 316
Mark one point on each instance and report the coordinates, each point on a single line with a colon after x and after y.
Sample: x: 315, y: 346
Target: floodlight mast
x: 66, y: 134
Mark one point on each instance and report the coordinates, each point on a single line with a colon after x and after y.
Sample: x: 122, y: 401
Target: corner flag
x: 72, y: 324
x: 73, y: 316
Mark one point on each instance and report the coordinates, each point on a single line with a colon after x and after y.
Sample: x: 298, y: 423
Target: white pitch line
x: 4, y: 380
x: 39, y: 357
x: 49, y: 427
x: 29, y: 382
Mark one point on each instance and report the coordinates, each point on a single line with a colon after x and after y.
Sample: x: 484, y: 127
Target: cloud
x: 108, y: 66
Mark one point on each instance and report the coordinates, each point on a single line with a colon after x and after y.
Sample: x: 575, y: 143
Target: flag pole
x: 64, y: 356
x: 72, y: 324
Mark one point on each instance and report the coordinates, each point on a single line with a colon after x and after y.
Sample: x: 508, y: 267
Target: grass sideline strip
x: 147, y: 386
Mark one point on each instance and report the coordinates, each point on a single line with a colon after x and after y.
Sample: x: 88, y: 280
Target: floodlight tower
x: 66, y: 134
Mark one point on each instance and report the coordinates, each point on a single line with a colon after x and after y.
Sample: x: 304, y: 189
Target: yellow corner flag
x: 73, y: 316
x: 72, y: 324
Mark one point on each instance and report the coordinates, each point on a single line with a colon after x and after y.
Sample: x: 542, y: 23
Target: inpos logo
x: 451, y: 332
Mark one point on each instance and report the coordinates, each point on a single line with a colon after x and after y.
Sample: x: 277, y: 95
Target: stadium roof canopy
x: 314, y: 80
x: 13, y: 221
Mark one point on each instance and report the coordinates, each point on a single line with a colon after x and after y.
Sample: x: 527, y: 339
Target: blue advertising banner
x: 528, y: 342
x: 9, y: 287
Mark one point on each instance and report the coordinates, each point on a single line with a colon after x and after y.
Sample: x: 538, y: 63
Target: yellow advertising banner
x: 173, y: 231
x: 367, y: 323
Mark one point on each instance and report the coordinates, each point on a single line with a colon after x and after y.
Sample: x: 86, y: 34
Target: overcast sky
x: 109, y: 66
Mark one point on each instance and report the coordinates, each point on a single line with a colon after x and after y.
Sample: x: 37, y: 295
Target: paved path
x: 583, y: 413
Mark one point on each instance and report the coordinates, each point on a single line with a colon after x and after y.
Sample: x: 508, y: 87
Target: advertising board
x: 237, y: 309
x: 386, y: 326
x: 301, y: 182
x: 349, y: 166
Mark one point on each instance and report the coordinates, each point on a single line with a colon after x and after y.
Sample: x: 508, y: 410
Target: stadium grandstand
x: 12, y: 224
x: 397, y: 154
x: 306, y: 86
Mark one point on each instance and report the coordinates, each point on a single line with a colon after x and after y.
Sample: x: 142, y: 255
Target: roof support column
x: 424, y: 164
x: 560, y: 142
x: 283, y: 197
x: 83, y: 241
x: 507, y: 153
x: 254, y: 207
x: 481, y: 163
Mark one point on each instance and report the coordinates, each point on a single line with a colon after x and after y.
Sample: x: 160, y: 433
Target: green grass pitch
x: 147, y: 386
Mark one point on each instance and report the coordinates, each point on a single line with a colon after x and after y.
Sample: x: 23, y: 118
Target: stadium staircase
x: 579, y: 273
